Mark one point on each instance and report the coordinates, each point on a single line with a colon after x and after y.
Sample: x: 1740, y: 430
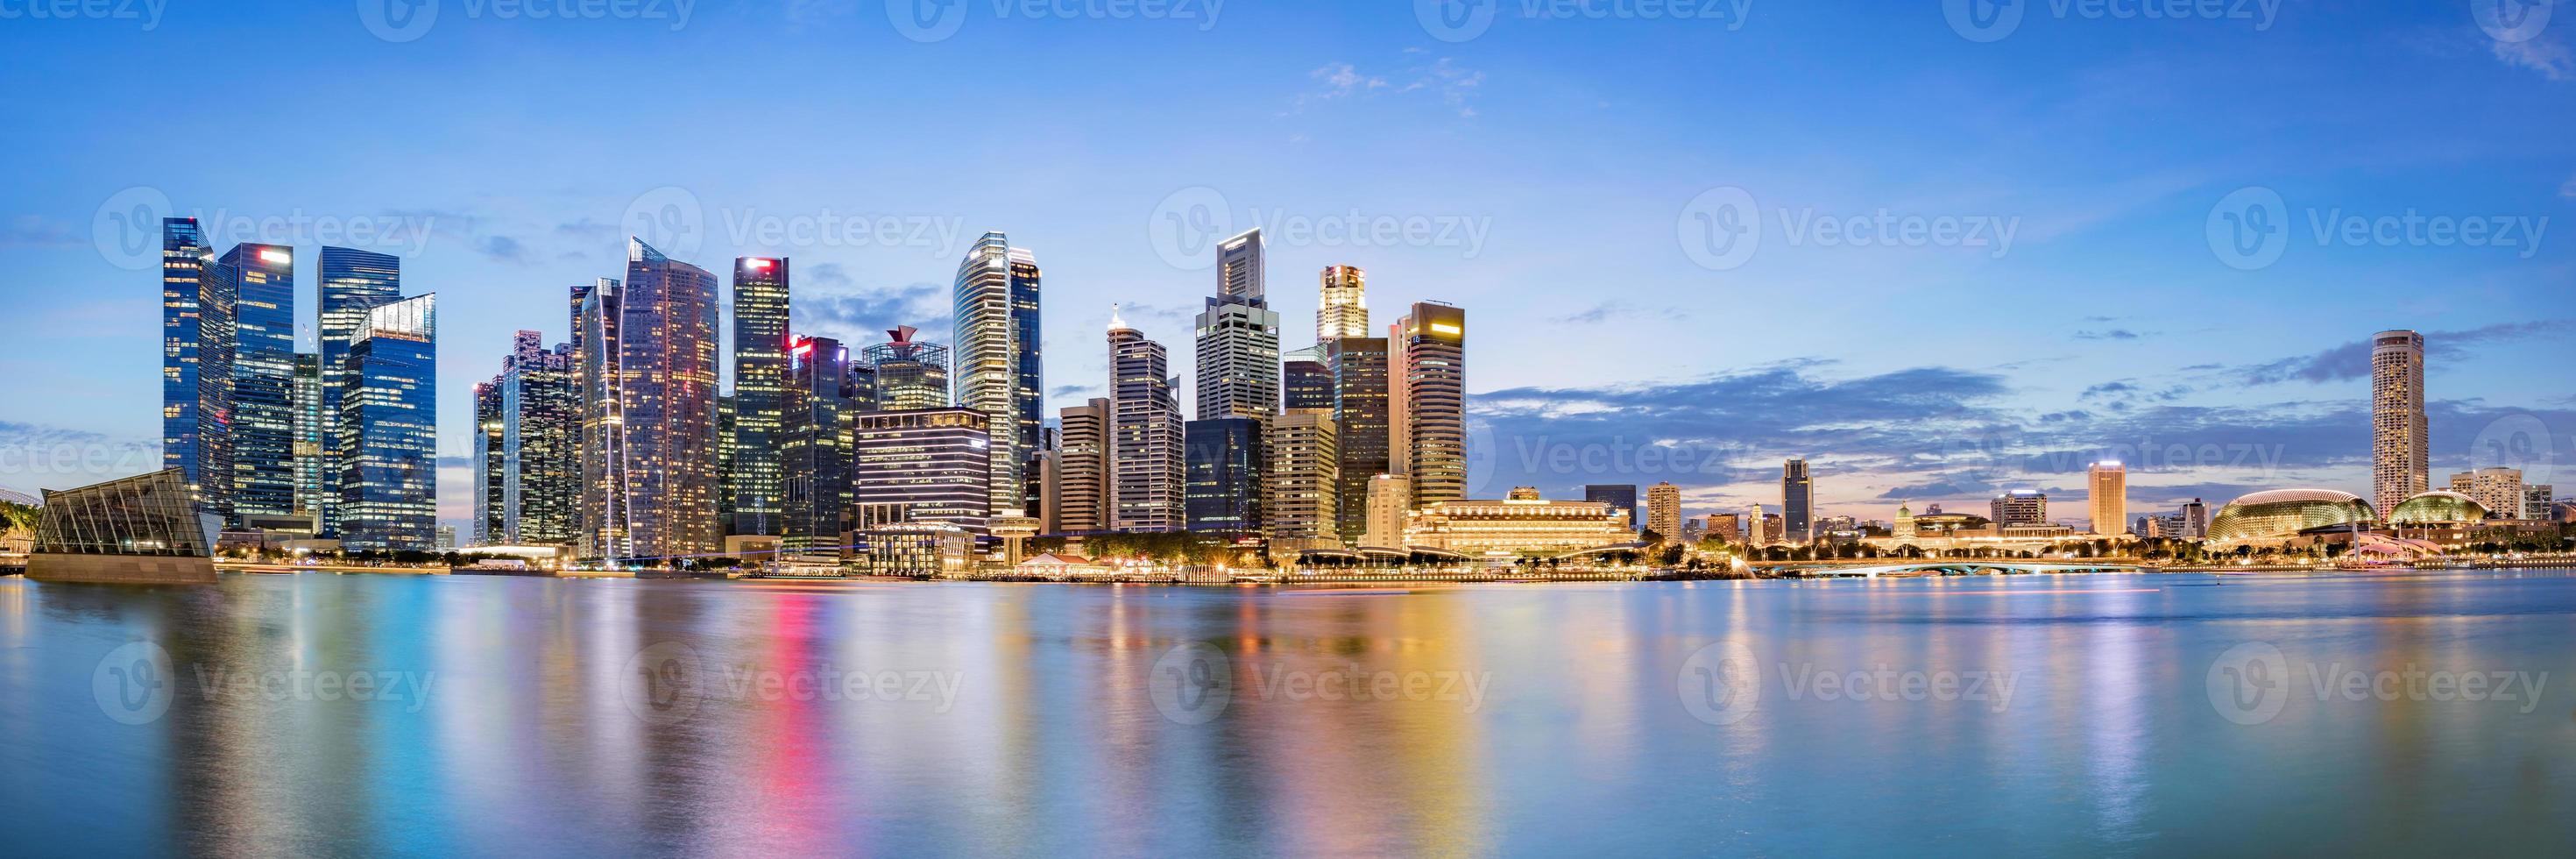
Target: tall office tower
x: 998, y: 369
x: 1302, y: 483
x: 2497, y: 489
x: 1435, y: 402
x: 1240, y: 270
x: 760, y: 290
x: 1797, y: 502
x: 581, y: 293
x: 491, y: 492
x: 923, y: 465
x: 1390, y: 504
x: 2401, y: 465
x: 814, y: 443
x: 2537, y: 501
x: 1344, y: 311
x: 1361, y: 425
x: 1620, y: 496
x: 2020, y: 508
x: 388, y: 435
x: 724, y: 462
x: 1305, y: 384
x: 1082, y: 495
x: 1399, y: 426
x: 540, y: 422
x: 1664, y: 510
x: 352, y: 281
x: 1147, y: 470
x: 2107, y: 492
x: 2195, y: 520
x: 261, y: 279
x: 649, y: 478
x: 1224, y: 461
x: 1773, y: 533
x: 308, y: 438
x: 195, y: 380
x: 1238, y: 348
x: 910, y: 374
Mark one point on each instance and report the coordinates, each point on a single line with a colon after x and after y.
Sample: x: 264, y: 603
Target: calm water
x: 2066, y: 716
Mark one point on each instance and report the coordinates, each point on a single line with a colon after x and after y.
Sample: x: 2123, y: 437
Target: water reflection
x: 514, y: 716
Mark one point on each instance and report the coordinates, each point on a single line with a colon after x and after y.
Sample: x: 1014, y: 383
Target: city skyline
x: 2248, y: 363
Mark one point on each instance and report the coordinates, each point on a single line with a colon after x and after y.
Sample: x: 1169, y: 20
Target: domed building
x: 2440, y: 505
x: 2280, y: 514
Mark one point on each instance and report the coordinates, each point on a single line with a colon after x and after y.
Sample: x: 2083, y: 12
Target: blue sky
x: 1547, y: 167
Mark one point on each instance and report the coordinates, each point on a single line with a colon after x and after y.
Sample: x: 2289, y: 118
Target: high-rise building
x: 922, y: 465
x: 351, y: 282
x: 1774, y: 531
x: 1224, y: 461
x: 998, y: 359
x: 1362, y: 424
x: 388, y: 435
x: 1797, y: 502
x: 649, y: 478
x: 1344, y: 311
x: 1729, y: 527
x: 491, y: 489
x: 2401, y: 463
x: 1305, y: 384
x: 2536, y: 501
x: 1082, y: 490
x: 1664, y: 510
x: 816, y: 435
x: 196, y: 366
x: 760, y: 302
x: 309, y: 440
x: 909, y: 374
x: 1148, y: 471
x: 261, y: 279
x: 1240, y: 271
x: 2195, y: 520
x: 1390, y: 507
x: 2497, y: 489
x: 1238, y: 356
x: 2107, y: 493
x: 1434, y: 377
x: 1620, y: 496
x: 1301, y: 503
x: 540, y: 422
x: 2020, y: 508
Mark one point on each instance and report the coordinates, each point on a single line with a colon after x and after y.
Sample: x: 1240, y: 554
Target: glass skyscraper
x: 1238, y: 337
x: 760, y: 300
x: 909, y: 374
x: 1225, y: 462
x: 352, y: 281
x: 388, y: 436
x: 196, y: 365
x: 649, y: 456
x: 309, y: 439
x: 1363, y: 424
x: 814, y: 443
x: 1435, y: 398
x: 1148, y: 477
x: 261, y: 279
x: 999, y: 359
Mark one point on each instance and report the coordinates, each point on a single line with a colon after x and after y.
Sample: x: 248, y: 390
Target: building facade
x: 998, y: 355
x: 1224, y: 461
x: 2107, y: 494
x: 1147, y: 466
x: 1302, y: 500
x: 816, y: 442
x: 1434, y: 377
x: 1797, y: 502
x: 757, y: 480
x: 1522, y: 526
x: 1620, y: 496
x: 191, y: 397
x: 388, y: 438
x: 1305, y: 384
x: 922, y: 466
x: 1344, y: 311
x: 351, y: 282
x: 1362, y: 422
x: 2019, y: 508
x: 909, y: 374
x: 1082, y: 489
x: 1664, y: 510
x: 649, y: 454
x: 2400, y: 461
x: 1390, y: 509
x: 2498, y: 489
x: 261, y: 279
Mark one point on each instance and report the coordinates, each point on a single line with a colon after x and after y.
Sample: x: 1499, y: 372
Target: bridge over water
x: 1960, y: 567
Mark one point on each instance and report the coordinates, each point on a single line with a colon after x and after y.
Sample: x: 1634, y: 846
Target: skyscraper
x: 352, y: 282
x: 2107, y: 493
x: 196, y: 366
x: 1664, y: 510
x: 649, y: 477
x: 491, y: 490
x: 1344, y: 311
x: 1302, y: 497
x: 1620, y: 496
x: 2496, y: 488
x: 388, y: 435
x: 1082, y: 492
x: 309, y: 440
x: 923, y: 465
x: 1797, y: 502
x: 1305, y: 384
x: 2401, y: 465
x: 1362, y: 425
x: 261, y: 279
x: 760, y: 301
x: 1435, y: 399
x: 998, y: 359
x: 909, y: 374
x: 1238, y: 337
x: 816, y: 440
x: 1148, y: 472
x: 1224, y: 461
x: 540, y: 423
x: 1390, y: 504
